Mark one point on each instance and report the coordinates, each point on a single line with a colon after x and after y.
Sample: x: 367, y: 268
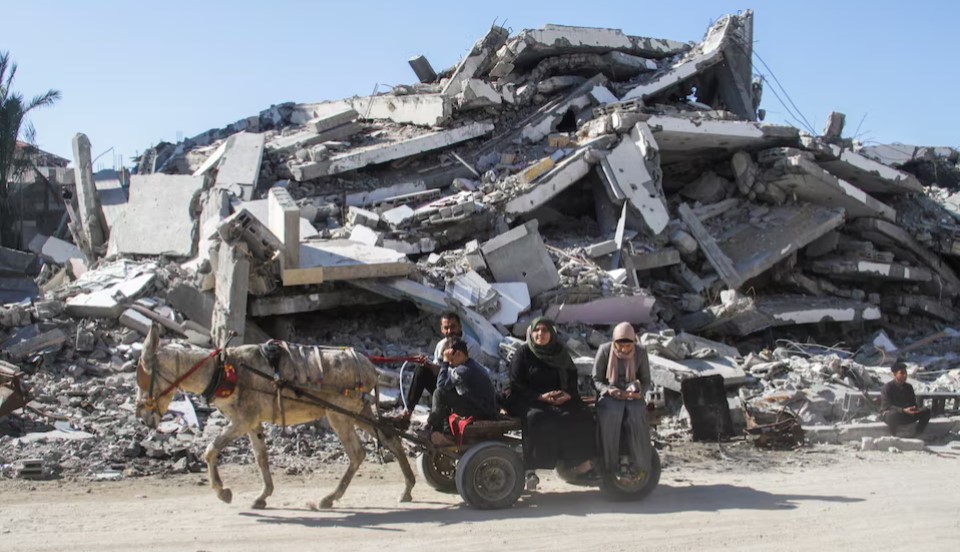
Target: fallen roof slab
x: 864, y: 269
x: 632, y: 171
x: 921, y: 304
x: 323, y: 261
x: 670, y: 374
x: 809, y: 182
x: 635, y: 309
x: 239, y: 168
x: 291, y: 303
x: 896, y: 239
x: 785, y: 310
x: 530, y: 46
x: 681, y: 138
x: 140, y: 232
x: 869, y: 175
x: 382, y: 153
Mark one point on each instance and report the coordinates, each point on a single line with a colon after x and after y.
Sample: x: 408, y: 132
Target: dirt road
x: 832, y: 500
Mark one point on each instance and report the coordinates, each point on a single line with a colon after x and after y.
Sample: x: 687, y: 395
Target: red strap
x: 187, y: 374
x: 458, y: 425
x: 390, y: 360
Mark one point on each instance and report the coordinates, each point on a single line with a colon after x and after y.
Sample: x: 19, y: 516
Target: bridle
x: 150, y: 401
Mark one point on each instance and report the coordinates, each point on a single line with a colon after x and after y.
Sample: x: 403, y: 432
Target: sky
x: 136, y: 73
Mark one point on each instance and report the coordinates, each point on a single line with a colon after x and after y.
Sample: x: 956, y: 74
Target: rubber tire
x: 434, y: 475
x: 611, y: 488
x: 493, y: 464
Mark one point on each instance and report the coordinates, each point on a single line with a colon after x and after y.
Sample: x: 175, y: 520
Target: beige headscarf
x: 623, y: 330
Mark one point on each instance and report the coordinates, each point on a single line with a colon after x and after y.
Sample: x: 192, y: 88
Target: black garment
x: 465, y: 390
x: 894, y: 398
x: 423, y: 380
x: 896, y: 419
x: 550, y: 433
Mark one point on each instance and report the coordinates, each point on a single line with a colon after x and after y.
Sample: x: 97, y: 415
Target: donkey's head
x: 150, y: 406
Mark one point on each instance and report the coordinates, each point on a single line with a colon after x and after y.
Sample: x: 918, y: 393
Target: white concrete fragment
x: 142, y: 231
x: 239, y: 168
x: 514, y: 300
x: 365, y: 235
x: 632, y: 170
x: 54, y: 249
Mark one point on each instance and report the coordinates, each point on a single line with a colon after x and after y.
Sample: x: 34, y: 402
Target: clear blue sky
x: 135, y: 73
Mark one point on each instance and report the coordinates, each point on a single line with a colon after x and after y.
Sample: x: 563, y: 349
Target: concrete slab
x: 807, y: 181
x: 514, y: 300
x: 332, y: 120
x: 136, y: 321
x: 680, y: 138
x: 869, y: 175
x: 773, y: 311
x: 891, y: 237
x: 233, y: 283
x: 323, y: 261
x: 239, y: 168
x: 565, y: 174
x: 844, y: 267
x: 844, y: 433
x: 382, y: 153
x: 519, y: 255
x: 292, y: 303
x: 632, y: 172
x: 198, y: 306
x: 472, y: 291
x: 110, y: 301
x: 212, y: 160
x: 670, y: 373
x: 477, y: 61
x: 635, y: 309
x: 113, y: 199
x: 656, y: 259
x: 139, y: 232
x: 785, y: 230
x: 427, y: 110
x: 920, y: 304
x: 530, y: 46
x: 54, y: 249
x: 283, y: 219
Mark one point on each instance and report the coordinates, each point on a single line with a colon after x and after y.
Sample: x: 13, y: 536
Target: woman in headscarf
x: 621, y: 376
x: 543, y: 394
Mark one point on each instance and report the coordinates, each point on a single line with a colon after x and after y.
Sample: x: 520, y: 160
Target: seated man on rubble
x: 425, y: 375
x: 898, y: 403
x: 463, y: 388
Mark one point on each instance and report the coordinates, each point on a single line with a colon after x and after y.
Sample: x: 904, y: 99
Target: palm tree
x: 13, y: 125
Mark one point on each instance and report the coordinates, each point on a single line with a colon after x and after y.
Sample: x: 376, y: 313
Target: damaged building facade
x: 579, y: 173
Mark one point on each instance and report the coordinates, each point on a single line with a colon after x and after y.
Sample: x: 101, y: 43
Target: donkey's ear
x: 152, y: 342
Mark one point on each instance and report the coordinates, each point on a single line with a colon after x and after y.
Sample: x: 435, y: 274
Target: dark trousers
x: 557, y: 433
x: 447, y: 401
x: 615, y: 416
x: 423, y: 380
x: 896, y: 419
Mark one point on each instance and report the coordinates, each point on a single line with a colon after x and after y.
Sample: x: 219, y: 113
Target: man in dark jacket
x: 898, y: 403
x: 463, y: 388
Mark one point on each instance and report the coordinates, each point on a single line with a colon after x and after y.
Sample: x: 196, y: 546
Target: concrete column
x: 92, y: 221
x: 283, y: 219
x: 230, y: 305
x: 422, y: 68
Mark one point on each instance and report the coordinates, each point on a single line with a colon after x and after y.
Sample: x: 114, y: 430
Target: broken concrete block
x: 54, y: 249
x: 362, y: 217
x: 860, y: 269
x: 365, y: 235
x: 681, y: 139
x: 136, y: 321
x: 262, y: 244
x: 635, y: 309
x: 472, y: 291
x: 382, y: 153
x: 292, y: 303
x: 137, y: 232
x: 332, y: 120
x: 198, y: 306
x: 750, y: 316
x: 869, y: 175
x: 477, y: 61
x: 632, y: 171
x: 283, y: 219
x: 530, y: 46
x: 239, y: 168
x: 113, y: 197
x: 708, y: 188
x: 422, y: 68
x: 108, y: 302
x: 230, y: 307
x: 519, y: 255
x: 427, y: 110
x: 23, y: 345
x: 398, y: 216
x: 889, y: 443
x: 600, y: 249
x: 92, y: 222
x: 656, y: 259
x: 670, y: 374
x: 345, y: 260
x: 477, y: 93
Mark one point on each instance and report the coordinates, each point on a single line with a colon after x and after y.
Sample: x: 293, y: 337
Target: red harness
x: 228, y: 382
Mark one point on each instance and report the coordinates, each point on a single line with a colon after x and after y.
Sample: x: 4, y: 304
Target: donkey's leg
x: 394, y: 445
x: 345, y: 428
x: 263, y: 462
x: 227, y: 436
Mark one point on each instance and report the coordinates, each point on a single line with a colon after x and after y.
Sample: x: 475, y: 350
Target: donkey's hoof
x: 313, y: 506
x: 407, y: 497
x: 225, y: 495
x: 326, y: 503
x: 259, y: 504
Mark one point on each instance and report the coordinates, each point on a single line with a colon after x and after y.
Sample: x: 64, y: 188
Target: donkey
x: 248, y: 399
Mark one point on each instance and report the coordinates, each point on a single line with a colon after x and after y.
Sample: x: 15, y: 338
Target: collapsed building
x: 579, y: 173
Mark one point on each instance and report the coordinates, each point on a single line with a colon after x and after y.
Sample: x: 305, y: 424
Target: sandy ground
x: 828, y: 499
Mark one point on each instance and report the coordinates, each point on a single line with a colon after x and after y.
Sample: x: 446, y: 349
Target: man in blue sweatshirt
x: 463, y: 388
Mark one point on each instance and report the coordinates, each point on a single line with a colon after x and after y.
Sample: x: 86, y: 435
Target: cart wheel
x: 438, y: 470
x: 615, y: 487
x: 490, y: 476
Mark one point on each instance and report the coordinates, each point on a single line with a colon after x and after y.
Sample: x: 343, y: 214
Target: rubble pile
x: 579, y: 173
